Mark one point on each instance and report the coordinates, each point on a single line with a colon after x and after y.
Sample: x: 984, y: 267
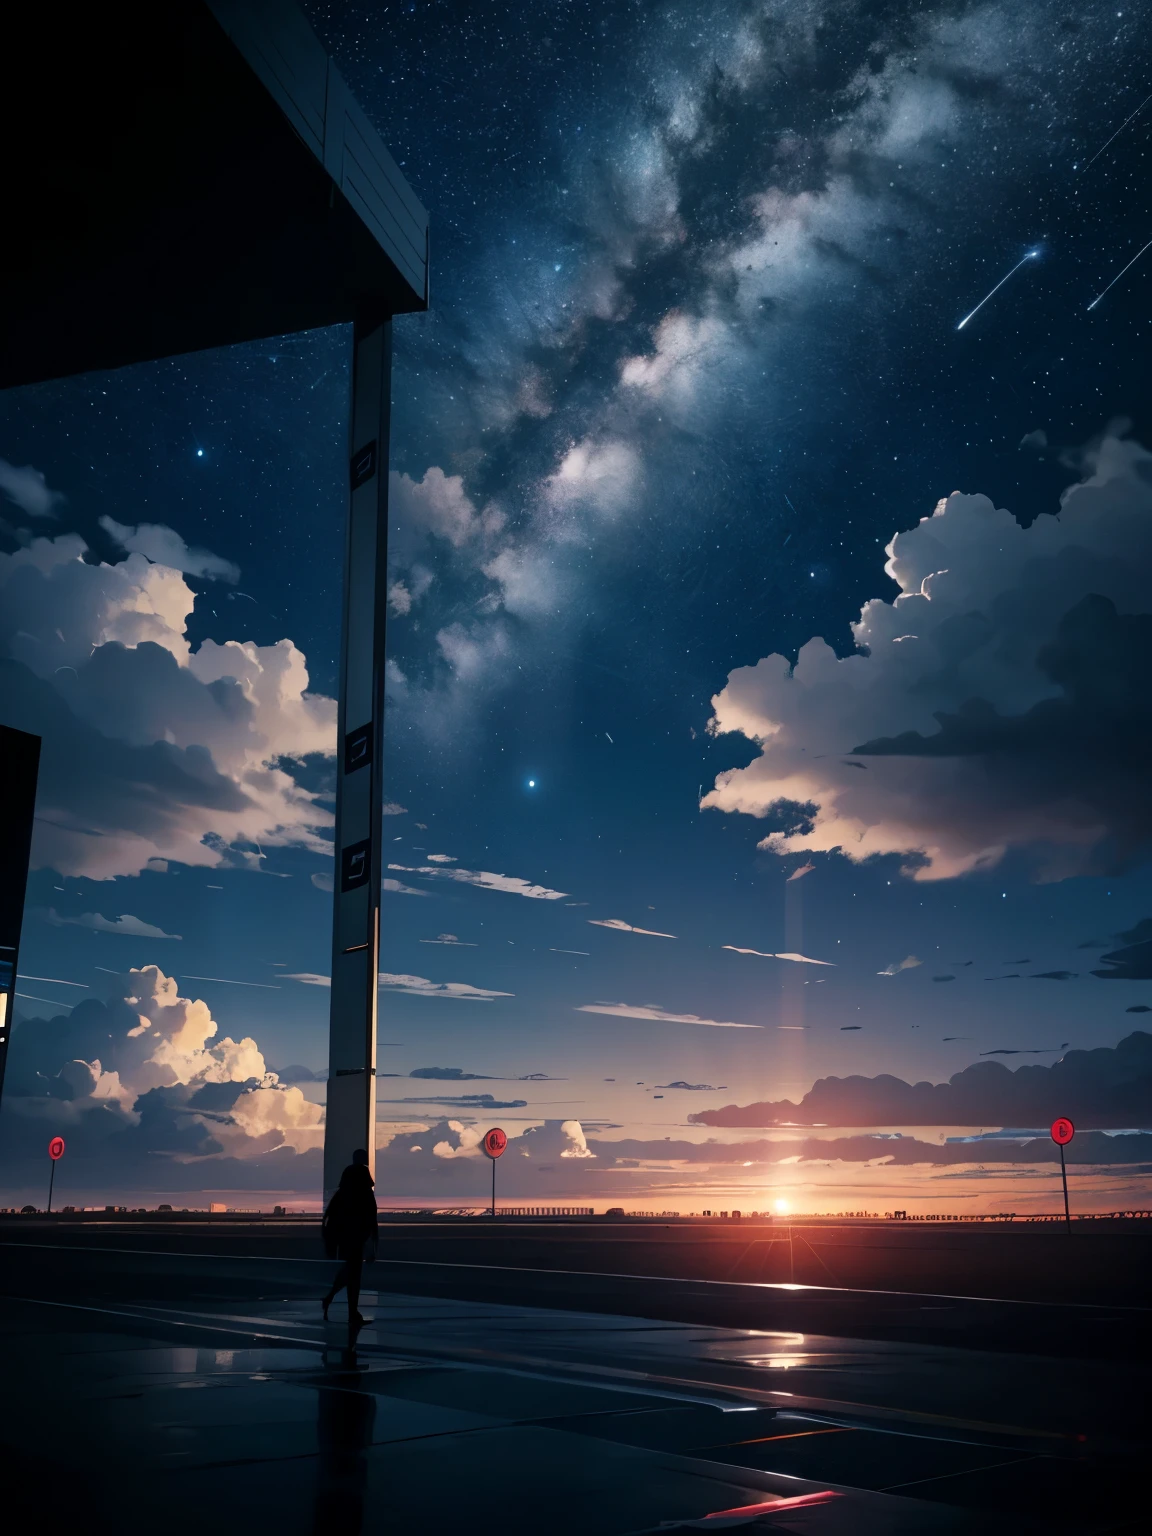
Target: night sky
x: 693, y: 360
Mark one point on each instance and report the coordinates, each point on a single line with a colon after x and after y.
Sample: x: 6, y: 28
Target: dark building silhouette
x: 189, y: 175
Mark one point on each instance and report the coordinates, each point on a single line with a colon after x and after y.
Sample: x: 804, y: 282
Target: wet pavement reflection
x: 345, y: 1418
x: 220, y: 1398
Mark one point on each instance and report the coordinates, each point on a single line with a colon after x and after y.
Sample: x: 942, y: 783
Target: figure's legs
x: 353, y: 1266
x: 341, y: 1280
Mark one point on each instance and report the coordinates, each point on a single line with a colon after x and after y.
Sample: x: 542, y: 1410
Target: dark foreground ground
x: 575, y: 1377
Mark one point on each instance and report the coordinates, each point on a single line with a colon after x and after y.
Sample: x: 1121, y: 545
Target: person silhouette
x: 350, y: 1223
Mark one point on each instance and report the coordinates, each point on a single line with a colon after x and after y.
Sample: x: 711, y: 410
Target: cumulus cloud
x: 474, y: 651
x: 132, y: 927
x: 1102, y: 1088
x: 149, y: 1064
x: 682, y: 347
x: 420, y: 986
x: 487, y: 881
x: 435, y: 504
x: 621, y: 926
x: 528, y: 581
x: 151, y: 750
x: 577, y: 1141
x: 1000, y: 702
x: 603, y: 477
x: 658, y: 1015
x: 29, y: 490
x: 399, y: 599
x: 164, y: 546
x: 468, y: 1139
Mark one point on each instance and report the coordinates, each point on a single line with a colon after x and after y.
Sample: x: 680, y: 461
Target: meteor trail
x: 1118, y: 132
x: 1027, y: 256
x: 1120, y: 274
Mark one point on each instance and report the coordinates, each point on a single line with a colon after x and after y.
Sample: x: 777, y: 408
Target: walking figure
x: 351, y: 1223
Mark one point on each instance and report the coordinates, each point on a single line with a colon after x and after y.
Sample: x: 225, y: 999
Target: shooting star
x: 1119, y: 275
x: 1027, y: 256
x: 1117, y: 134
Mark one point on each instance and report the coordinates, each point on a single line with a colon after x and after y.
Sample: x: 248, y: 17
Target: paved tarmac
x: 145, y: 1387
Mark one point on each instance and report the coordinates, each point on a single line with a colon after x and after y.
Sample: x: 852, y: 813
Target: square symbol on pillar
x: 355, y: 865
x: 363, y: 465
x: 358, y: 748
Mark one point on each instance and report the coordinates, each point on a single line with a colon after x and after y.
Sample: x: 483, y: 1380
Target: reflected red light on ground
x: 770, y: 1506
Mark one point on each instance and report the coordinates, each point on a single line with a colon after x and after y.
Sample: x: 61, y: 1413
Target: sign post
x: 55, y: 1152
x: 494, y: 1143
x: 1062, y: 1133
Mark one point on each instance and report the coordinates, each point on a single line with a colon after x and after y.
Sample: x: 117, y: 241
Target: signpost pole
x: 55, y: 1153
x: 1064, y: 1181
x: 1062, y: 1133
x: 494, y: 1143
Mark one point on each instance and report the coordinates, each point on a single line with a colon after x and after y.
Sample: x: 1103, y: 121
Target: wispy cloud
x: 309, y: 978
x: 59, y: 981
x: 452, y: 1075
x: 908, y: 963
x: 658, y: 1015
x: 164, y: 546
x: 450, y: 938
x: 420, y: 986
x: 484, y: 878
x: 765, y: 954
x: 132, y: 927
x: 28, y: 488
x: 621, y: 926
x: 466, y: 1101
x: 228, y: 981
x: 398, y: 888
x: 458, y: 1075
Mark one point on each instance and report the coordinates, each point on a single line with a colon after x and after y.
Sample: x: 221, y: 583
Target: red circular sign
x: 56, y: 1148
x: 495, y: 1141
x: 1062, y: 1131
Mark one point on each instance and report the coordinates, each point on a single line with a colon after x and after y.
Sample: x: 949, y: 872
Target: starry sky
x: 686, y: 812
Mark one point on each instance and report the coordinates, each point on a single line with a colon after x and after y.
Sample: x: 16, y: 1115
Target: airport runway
x: 205, y: 1385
